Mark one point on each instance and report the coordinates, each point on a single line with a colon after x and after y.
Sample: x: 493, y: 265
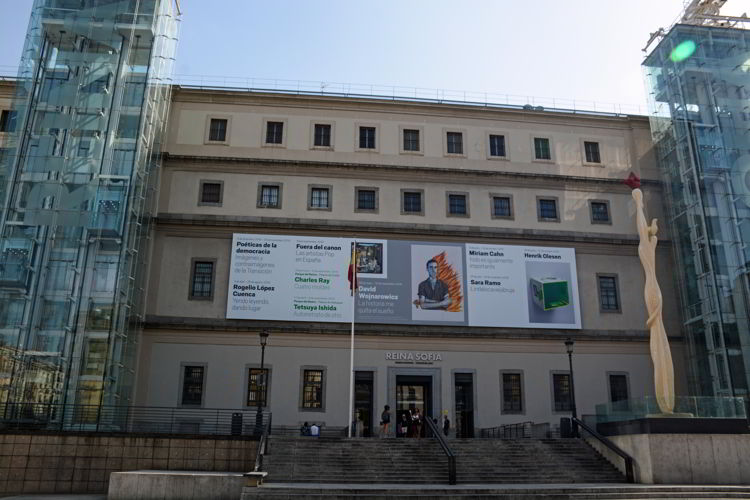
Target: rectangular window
x: 274, y: 132
x: 412, y: 202
x: 99, y: 316
x: 104, y: 275
x: 202, y: 283
x: 211, y: 192
x: 218, y: 130
x: 366, y: 137
x: 592, y: 152
x: 8, y: 121
x: 411, y: 140
x: 561, y: 390
x: 512, y: 393
x: 501, y: 206
x: 84, y: 148
x: 257, y: 387
x: 547, y: 209
x: 455, y: 143
x: 319, y: 198
x: 312, y: 389
x: 54, y: 315
x: 608, y: 299
x: 192, y: 385
x: 322, y: 135
x: 366, y: 199
x: 618, y: 391
x: 11, y: 312
x: 541, y: 149
x: 599, y: 211
x: 269, y: 196
x: 95, y: 356
x: 497, y: 145
x: 457, y: 204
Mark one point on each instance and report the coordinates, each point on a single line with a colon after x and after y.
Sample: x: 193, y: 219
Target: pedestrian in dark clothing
x: 385, y: 421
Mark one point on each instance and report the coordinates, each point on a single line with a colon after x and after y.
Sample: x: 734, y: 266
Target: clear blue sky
x: 582, y: 49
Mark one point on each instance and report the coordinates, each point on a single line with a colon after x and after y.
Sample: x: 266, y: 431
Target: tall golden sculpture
x: 660, y: 354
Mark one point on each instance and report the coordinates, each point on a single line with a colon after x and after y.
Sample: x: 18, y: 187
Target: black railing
x: 129, y: 419
x: 436, y: 433
x: 508, y: 431
x: 629, y: 462
x: 263, y: 449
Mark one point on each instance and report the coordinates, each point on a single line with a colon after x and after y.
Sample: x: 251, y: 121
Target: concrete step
x: 514, y: 492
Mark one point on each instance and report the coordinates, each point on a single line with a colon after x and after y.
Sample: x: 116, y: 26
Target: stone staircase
x: 519, y: 469
x: 536, y: 461
x: 337, y: 460
x: 396, y: 461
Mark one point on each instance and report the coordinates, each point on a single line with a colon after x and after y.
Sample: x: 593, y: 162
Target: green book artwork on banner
x: 549, y: 293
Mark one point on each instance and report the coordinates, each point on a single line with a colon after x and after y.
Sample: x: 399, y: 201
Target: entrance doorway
x: 363, y: 400
x: 464, y: 405
x: 413, y: 392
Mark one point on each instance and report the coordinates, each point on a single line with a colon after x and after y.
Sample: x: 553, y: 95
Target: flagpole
x: 351, y: 348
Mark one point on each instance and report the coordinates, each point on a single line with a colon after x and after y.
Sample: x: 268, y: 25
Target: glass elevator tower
x: 78, y: 174
x: 698, y: 77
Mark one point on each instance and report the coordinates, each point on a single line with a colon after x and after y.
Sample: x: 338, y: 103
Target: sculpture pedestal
x: 673, y: 450
x: 672, y: 424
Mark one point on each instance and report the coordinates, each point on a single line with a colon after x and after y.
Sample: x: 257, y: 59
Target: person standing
x: 385, y: 421
x: 446, y: 425
x: 403, y: 426
x: 359, y: 424
x: 417, y: 420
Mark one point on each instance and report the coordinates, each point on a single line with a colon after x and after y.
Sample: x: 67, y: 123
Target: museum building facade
x: 409, y: 181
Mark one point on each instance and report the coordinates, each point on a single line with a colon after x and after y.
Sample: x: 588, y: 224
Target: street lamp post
x: 569, y: 347
x: 262, y: 401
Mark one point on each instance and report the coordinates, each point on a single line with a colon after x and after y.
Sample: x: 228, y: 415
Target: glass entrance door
x: 412, y: 393
x: 363, y: 402
x: 464, y: 405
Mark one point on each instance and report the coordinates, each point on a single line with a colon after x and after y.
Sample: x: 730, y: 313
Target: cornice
x: 397, y: 172
x: 156, y: 322
x: 219, y: 226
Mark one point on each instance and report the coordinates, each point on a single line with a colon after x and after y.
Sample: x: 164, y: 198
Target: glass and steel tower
x: 78, y: 176
x: 698, y: 77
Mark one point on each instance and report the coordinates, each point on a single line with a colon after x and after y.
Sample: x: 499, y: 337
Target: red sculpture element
x: 633, y: 181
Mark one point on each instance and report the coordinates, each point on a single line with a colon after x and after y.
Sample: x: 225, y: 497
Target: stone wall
x: 81, y: 463
x: 683, y: 458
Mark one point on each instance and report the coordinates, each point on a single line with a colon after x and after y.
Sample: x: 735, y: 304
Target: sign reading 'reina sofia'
x: 413, y: 356
x: 305, y: 278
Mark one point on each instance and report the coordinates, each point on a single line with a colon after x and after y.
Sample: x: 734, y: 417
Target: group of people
x: 410, y: 425
x: 309, y: 430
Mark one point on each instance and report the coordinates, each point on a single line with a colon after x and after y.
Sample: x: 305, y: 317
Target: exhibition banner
x: 306, y: 278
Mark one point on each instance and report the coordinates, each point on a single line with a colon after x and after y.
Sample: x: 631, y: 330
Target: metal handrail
x: 508, y: 431
x: 448, y: 452
x: 629, y: 462
x: 262, y: 445
x: 192, y: 420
